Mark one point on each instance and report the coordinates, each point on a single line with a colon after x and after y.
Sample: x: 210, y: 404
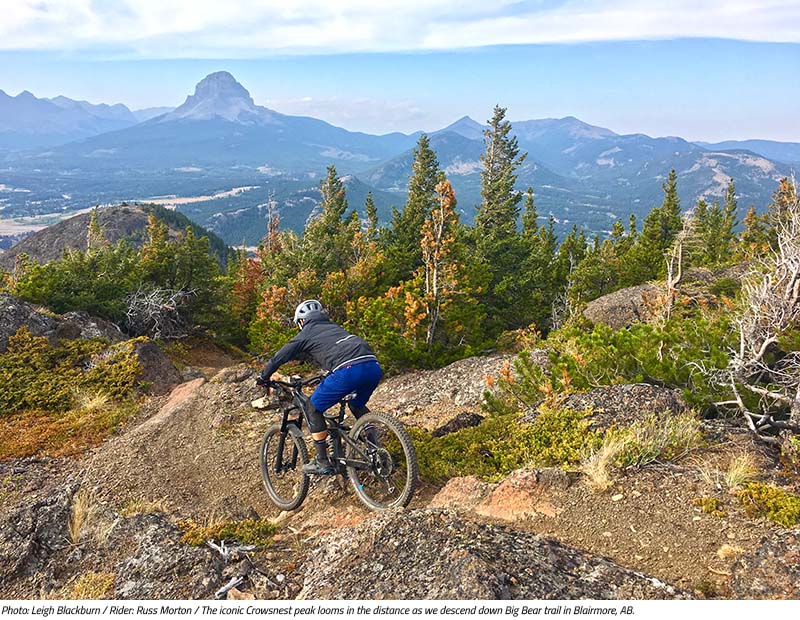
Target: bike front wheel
x: 382, y: 462
x: 282, y: 458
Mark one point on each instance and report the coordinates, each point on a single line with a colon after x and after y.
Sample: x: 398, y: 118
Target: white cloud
x: 242, y: 28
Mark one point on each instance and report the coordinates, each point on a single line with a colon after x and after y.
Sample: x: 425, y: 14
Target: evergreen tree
x: 404, y: 252
x: 646, y: 260
x: 327, y: 238
x: 95, y: 234
x: 498, y: 243
x: 755, y: 237
x: 372, y: 217
x: 530, y: 217
x: 157, y: 255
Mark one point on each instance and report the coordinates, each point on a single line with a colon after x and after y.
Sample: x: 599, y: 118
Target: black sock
x: 321, y: 446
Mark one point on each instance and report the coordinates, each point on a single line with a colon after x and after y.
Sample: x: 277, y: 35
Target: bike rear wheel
x: 283, y: 476
x: 386, y: 472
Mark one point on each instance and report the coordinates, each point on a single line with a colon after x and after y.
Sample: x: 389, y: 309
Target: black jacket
x: 325, y: 342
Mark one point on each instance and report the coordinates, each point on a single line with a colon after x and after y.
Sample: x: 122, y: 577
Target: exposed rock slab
x: 462, y: 493
x: 624, y: 307
x: 435, y: 554
x: 15, y: 313
x: 160, y: 566
x: 772, y: 570
x: 525, y: 494
x: 461, y: 383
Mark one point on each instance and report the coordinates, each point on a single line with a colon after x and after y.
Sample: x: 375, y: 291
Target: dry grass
x: 143, y: 507
x: 598, y: 466
x: 729, y: 552
x: 91, y: 402
x: 84, y: 507
x: 741, y: 469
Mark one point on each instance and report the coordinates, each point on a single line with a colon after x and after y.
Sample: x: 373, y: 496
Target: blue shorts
x: 361, y: 378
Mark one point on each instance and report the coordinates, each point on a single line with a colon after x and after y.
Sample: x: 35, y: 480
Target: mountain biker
x: 351, y: 362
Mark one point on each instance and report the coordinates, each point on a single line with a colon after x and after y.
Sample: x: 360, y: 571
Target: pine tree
x: 497, y: 241
x: 371, y: 212
x: 157, y: 255
x: 404, y: 252
x: 646, y: 261
x: 530, y: 217
x: 327, y: 238
x: 95, y: 233
x: 755, y: 236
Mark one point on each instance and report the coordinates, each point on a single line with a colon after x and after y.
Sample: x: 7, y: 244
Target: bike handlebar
x: 295, y: 384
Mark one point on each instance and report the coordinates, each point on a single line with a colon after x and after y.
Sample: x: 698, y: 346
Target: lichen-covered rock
x: 462, y: 493
x: 160, y: 566
x: 624, y: 307
x: 79, y: 324
x: 621, y: 404
x: 15, y: 313
x: 772, y: 571
x: 435, y: 554
x: 33, y: 532
x: 461, y: 383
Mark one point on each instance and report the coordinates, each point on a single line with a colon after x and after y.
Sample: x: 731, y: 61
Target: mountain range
x: 63, y: 154
x: 27, y: 122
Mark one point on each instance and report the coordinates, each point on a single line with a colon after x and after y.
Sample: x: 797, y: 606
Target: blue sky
x: 728, y: 70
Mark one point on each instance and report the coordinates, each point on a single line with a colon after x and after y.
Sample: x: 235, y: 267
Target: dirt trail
x: 195, y: 453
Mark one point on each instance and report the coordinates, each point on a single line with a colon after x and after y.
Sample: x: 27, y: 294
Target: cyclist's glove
x: 263, y: 380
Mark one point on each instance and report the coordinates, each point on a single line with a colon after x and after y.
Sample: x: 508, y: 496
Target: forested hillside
x: 651, y: 375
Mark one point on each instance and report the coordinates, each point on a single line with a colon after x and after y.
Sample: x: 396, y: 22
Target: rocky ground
x: 193, y: 453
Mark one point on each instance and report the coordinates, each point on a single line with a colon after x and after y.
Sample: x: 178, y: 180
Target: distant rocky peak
x: 219, y: 95
x: 221, y: 85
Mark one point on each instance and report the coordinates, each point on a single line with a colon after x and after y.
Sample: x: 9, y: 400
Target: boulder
x: 772, y: 571
x: 461, y: 493
x: 465, y: 419
x: 621, y: 404
x: 15, y: 313
x: 437, y: 554
x: 74, y: 325
x: 624, y: 307
x: 35, y: 531
x: 158, y: 372
x: 461, y: 384
x: 525, y: 494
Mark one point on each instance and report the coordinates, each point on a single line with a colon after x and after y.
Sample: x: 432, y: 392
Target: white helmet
x: 301, y: 312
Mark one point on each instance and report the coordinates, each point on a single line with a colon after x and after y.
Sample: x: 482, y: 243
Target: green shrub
x: 709, y: 505
x: 501, y: 444
x: 763, y: 500
x: 256, y: 532
x: 35, y: 375
x: 728, y: 287
x: 662, y: 355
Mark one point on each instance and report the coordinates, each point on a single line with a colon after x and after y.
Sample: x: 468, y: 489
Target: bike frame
x: 335, y: 424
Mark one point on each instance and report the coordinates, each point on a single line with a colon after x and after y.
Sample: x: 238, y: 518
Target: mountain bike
x: 376, y: 453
